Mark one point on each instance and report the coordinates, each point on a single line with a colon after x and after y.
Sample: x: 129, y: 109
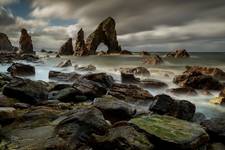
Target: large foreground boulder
x: 179, y: 53
x: 165, y: 105
x: 25, y: 90
x: 79, y: 125
x: 114, y: 109
x: 18, y: 69
x: 214, y: 72
x: 170, y: 133
x: 105, y: 33
x: 197, y: 80
x: 25, y: 42
x: 66, y: 48
x: 5, y: 43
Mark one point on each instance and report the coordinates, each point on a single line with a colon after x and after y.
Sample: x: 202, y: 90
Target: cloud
x: 7, y: 2
x: 157, y: 24
x: 6, y: 17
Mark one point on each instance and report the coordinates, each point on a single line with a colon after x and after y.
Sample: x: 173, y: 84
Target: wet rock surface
x: 85, y: 68
x: 171, y: 133
x: 179, y: 53
x: 214, y: 72
x: 165, y: 105
x: 183, y: 91
x: 153, y: 59
x: 197, y: 80
x: 125, y: 52
x: 137, y: 71
x: 114, y: 109
x: 26, y: 90
x: 60, y: 76
x: 18, y: 69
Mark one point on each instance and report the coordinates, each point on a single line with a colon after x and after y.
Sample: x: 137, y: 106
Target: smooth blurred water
x: 110, y: 64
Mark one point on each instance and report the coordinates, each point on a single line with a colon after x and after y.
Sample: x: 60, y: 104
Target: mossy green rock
x: 123, y: 138
x: 169, y: 132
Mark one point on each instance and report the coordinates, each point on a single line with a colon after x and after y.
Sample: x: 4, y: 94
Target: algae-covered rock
x: 123, y: 138
x: 168, y: 132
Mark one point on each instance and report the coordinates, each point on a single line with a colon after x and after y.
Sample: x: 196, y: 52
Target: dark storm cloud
x: 6, y: 17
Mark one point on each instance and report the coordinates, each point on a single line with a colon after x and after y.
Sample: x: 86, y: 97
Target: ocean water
x: 111, y: 64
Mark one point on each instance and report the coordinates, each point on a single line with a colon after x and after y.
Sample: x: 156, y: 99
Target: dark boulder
x: 129, y: 93
x: 129, y: 78
x: 153, y: 83
x: 215, y: 128
x: 183, y: 91
x: 70, y: 95
x: 214, y: 72
x: 101, y: 78
x: 165, y: 105
x: 179, y: 53
x: 137, y: 71
x: 114, y: 109
x: 79, y: 125
x: 197, y: 80
x: 66, y: 48
x: 18, y: 69
x: 90, y: 89
x: 60, y: 76
x: 25, y: 90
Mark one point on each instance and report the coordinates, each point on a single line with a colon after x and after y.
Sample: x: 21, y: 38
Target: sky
x: 149, y: 25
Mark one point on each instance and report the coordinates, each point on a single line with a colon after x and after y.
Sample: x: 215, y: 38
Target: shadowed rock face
x: 80, y: 47
x: 25, y: 42
x: 105, y: 33
x: 5, y: 43
x: 67, y: 48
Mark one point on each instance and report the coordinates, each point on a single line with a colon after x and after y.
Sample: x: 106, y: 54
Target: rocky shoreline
x: 92, y: 111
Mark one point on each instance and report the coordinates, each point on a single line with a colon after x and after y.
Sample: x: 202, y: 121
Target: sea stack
x: 25, y: 42
x: 67, y: 48
x: 80, y: 47
x: 179, y: 53
x: 105, y: 33
x: 5, y: 44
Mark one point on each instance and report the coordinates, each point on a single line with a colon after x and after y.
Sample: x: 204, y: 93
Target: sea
x: 164, y: 72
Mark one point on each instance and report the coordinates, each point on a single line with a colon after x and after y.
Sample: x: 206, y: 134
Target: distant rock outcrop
x: 179, y: 53
x: 80, y: 47
x: 25, y: 42
x: 5, y: 43
x: 105, y: 33
x: 153, y: 59
x: 67, y: 48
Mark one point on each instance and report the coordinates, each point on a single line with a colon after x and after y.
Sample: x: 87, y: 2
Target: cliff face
x: 105, y: 33
x: 5, y: 44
